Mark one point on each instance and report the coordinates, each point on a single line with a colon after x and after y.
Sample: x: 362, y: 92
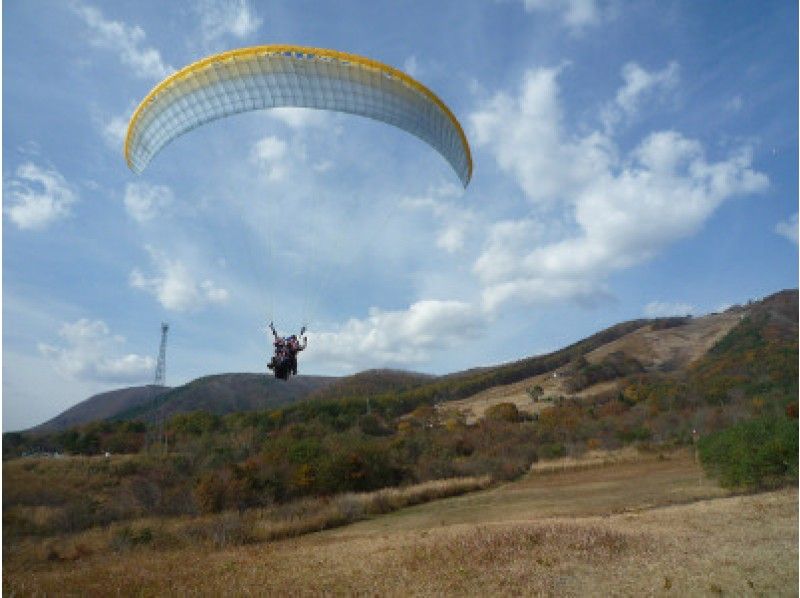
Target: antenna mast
x: 161, y: 365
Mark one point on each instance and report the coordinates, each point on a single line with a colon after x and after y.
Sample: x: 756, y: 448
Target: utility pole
x: 161, y: 364
x: 160, y: 377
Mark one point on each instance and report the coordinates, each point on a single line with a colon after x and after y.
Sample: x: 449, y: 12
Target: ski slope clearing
x: 657, y: 349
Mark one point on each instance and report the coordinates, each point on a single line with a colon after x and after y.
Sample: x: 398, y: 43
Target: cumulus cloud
x: 411, y: 66
x: 114, y: 131
x: 323, y: 166
x: 269, y: 153
x: 125, y: 40
x: 524, y: 134
x: 174, y: 286
x: 639, y: 84
x: 456, y: 221
x: 298, y: 118
x: 219, y: 18
x: 37, y: 197
x: 735, y: 104
x: 90, y: 352
x: 397, y: 338
x: 665, y: 309
x: 621, y: 210
x: 575, y: 14
x: 144, y: 202
x: 788, y: 228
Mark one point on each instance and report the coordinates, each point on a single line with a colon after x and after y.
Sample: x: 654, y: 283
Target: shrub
x: 552, y: 450
x: 126, y: 538
x: 755, y: 454
x: 503, y: 412
x: 633, y: 434
x: 210, y: 493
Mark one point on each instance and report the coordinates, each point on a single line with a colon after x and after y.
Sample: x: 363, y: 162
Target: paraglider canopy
x: 285, y: 75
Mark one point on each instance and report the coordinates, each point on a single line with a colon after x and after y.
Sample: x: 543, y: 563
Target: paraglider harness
x: 284, y: 361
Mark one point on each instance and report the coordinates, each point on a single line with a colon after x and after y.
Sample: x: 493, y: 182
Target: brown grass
x: 214, y: 532
x: 599, y: 458
x: 743, y: 546
x: 676, y: 347
x: 620, y: 529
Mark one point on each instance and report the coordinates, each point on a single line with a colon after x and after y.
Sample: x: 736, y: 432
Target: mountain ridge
x: 234, y: 392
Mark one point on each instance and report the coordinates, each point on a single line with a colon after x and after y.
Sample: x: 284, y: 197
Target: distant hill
x: 652, y: 345
x: 106, y: 405
x: 219, y: 394
x: 667, y: 346
x: 370, y: 383
x: 228, y: 393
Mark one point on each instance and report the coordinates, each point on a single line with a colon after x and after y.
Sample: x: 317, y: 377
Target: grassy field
x: 641, y: 524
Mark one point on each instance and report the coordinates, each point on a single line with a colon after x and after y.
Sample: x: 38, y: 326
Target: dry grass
x: 214, y: 532
x: 622, y: 529
x: 688, y: 550
x: 599, y: 458
x: 675, y: 347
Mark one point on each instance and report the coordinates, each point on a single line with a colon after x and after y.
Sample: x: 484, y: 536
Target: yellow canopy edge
x: 362, y: 61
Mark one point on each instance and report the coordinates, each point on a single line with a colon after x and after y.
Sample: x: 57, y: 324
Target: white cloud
x: 411, y: 66
x: 575, y: 14
x: 639, y: 85
x: 735, y: 104
x: 37, y: 197
x: 269, y: 149
x: 457, y: 222
x: 542, y: 290
x: 174, y: 286
x: 788, y: 228
x: 127, y: 41
x: 620, y: 210
x: 30, y: 148
x: 323, y: 166
x: 525, y: 136
x: 114, y: 132
x: 144, y: 202
x: 665, y: 309
x: 90, y: 352
x: 506, y: 241
x: 269, y: 154
x: 397, y: 338
x: 298, y: 118
x: 219, y: 18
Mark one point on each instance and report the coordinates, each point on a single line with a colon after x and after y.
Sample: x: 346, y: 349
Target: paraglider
x: 284, y: 360
x: 273, y: 76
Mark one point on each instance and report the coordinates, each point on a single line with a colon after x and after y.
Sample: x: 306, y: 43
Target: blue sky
x: 631, y: 159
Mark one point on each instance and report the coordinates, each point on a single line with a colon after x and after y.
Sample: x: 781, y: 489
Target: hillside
x: 370, y: 383
x: 667, y: 345
x: 106, y: 405
x: 228, y: 393
x: 202, y: 482
x: 597, y: 367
